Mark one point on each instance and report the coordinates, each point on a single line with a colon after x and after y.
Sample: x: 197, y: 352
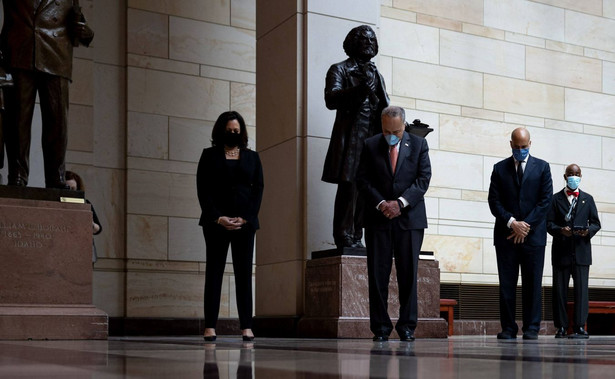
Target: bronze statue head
x: 361, y: 43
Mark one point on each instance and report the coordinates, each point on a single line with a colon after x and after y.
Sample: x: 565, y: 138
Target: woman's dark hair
x: 69, y: 175
x: 217, y: 134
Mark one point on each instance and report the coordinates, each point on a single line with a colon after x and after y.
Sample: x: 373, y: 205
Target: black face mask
x: 232, y: 139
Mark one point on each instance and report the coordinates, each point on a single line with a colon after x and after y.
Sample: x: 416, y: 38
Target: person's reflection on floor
x: 244, y: 368
x: 392, y: 361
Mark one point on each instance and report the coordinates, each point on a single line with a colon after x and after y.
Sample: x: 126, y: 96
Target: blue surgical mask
x: 520, y: 154
x: 573, y: 182
x: 392, y: 139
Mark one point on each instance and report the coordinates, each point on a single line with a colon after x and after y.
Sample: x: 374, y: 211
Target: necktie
x: 569, y: 214
x: 393, y: 155
x: 520, y: 171
x: 573, y: 193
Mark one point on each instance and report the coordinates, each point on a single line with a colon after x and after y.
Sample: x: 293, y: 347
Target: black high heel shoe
x: 209, y: 338
x: 247, y: 338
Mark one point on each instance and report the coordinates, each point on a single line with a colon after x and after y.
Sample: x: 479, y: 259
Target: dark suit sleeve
x: 594, y: 221
x: 204, y: 174
x: 495, y: 195
x: 364, y: 182
x: 539, y: 213
x: 416, y: 192
x: 256, y: 190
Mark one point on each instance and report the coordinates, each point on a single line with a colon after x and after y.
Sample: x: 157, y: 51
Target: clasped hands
x: 567, y: 231
x: 231, y: 223
x: 390, y: 209
x: 520, y: 230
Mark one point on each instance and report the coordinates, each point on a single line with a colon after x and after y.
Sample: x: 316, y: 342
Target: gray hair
x: 393, y: 111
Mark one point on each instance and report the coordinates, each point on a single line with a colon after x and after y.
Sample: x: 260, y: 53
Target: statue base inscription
x: 337, y: 299
x: 46, y: 271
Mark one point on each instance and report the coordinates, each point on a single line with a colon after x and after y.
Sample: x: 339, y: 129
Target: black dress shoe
x: 406, y: 335
x: 561, y: 333
x: 209, y: 338
x: 530, y: 335
x: 357, y: 244
x: 18, y: 182
x: 579, y: 333
x: 247, y: 338
x: 506, y: 335
x: 380, y: 338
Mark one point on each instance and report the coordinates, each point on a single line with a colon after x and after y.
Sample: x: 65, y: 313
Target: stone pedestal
x: 46, y: 270
x: 337, y: 300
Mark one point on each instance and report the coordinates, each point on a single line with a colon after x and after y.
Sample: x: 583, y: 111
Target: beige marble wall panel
x: 163, y: 194
x: 278, y: 11
x: 489, y: 162
x: 387, y: 11
x: 282, y: 296
x: 149, y: 266
x: 211, y: 11
x: 587, y: 6
x: 147, y: 237
x: 600, y: 183
x: 110, y: 37
x: 603, y: 264
x: 430, y: 118
x: 564, y: 126
x: 456, y: 254
x: 547, y: 144
x: 148, y: 33
x: 320, y: 198
x: 160, y: 64
x: 186, y: 242
x: 525, y: 17
x: 148, y: 135
x: 109, y: 116
x: 80, y: 128
x: 108, y: 292
x: 598, y: 130
x: 81, y: 90
x: 151, y: 294
x: 278, y: 85
x: 281, y: 237
x: 188, y: 138
x: 463, y: 211
x: 439, y: 22
x: 228, y: 74
x: 608, y: 153
x: 564, y: 47
x: 212, y: 44
x: 463, y: 10
x: 76, y: 157
x: 483, y: 31
x: 590, y: 108
x: 599, y: 54
x: 590, y: 31
x: 525, y: 39
x: 437, y: 83
x: 243, y: 100
x: 433, y: 207
x: 243, y: 14
x: 410, y: 41
x: 446, y: 167
x: 474, y: 195
x: 470, y: 135
x: 490, y: 263
x: 482, y: 113
x: 432, y: 106
x: 447, y: 193
x: 563, y: 69
x: 608, y: 9
x: 608, y: 77
x: 176, y: 95
x: 513, y: 118
x: 366, y: 12
x: 528, y: 98
x: 147, y: 164
x: 482, y: 54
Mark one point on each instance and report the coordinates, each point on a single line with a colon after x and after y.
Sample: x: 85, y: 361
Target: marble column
x: 297, y: 41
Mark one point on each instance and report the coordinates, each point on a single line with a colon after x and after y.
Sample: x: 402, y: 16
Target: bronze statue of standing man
x: 356, y: 90
x: 37, y: 42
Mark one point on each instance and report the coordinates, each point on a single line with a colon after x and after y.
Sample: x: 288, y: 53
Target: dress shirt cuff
x: 510, y: 222
x: 378, y: 206
x: 403, y: 201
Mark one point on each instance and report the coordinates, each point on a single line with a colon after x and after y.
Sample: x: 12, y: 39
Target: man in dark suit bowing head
x: 572, y: 220
x: 519, y: 198
x: 394, y: 174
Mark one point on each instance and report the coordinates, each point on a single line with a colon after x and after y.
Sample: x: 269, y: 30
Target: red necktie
x: 393, y: 155
x: 573, y: 193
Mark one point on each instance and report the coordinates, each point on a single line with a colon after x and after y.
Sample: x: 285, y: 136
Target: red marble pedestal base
x: 337, y: 300
x: 46, y: 271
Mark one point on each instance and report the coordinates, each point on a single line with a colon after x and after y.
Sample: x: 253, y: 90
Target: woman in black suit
x: 230, y: 188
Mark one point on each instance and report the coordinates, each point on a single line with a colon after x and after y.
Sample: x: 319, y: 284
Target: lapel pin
x: 406, y: 144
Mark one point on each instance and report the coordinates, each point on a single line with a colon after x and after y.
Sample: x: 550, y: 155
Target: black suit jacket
x: 377, y: 182
x: 528, y: 201
x: 585, y: 214
x: 221, y: 194
x: 39, y: 37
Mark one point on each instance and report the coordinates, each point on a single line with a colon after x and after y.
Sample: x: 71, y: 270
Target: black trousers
x: 217, y: 240
x: 382, y: 245
x: 561, y: 281
x: 53, y: 94
x: 531, y: 259
x: 347, y: 213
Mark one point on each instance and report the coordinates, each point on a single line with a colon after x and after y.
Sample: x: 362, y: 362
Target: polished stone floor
x: 189, y: 357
